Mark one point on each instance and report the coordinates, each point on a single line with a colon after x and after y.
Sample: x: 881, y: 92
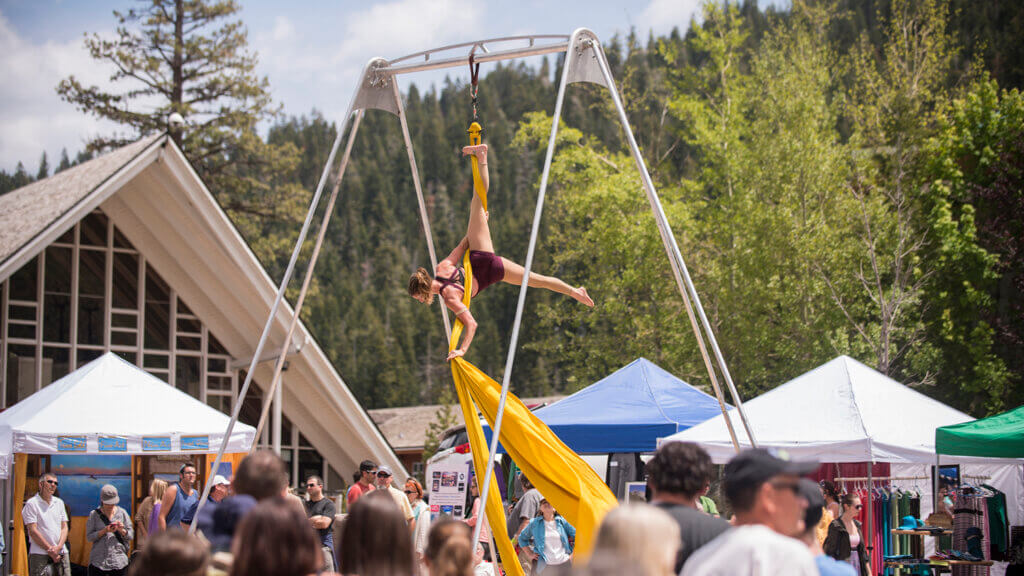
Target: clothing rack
x: 871, y: 479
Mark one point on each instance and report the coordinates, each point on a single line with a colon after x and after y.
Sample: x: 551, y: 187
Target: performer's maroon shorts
x: 487, y: 268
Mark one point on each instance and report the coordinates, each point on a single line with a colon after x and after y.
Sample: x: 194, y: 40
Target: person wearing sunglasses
x: 384, y: 479
x: 178, y: 498
x: 421, y: 520
x: 364, y: 482
x: 46, y: 522
x: 320, y: 511
x: 845, y: 541
x: 763, y: 488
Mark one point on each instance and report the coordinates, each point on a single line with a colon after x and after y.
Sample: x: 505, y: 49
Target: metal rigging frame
x: 585, y: 61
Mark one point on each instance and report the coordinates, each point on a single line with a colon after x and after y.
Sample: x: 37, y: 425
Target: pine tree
x: 21, y: 177
x: 192, y: 57
x: 65, y: 162
x: 44, y: 168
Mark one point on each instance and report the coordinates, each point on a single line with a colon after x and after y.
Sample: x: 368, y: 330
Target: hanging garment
x: 986, y: 540
x: 904, y: 540
x: 969, y: 513
x: 997, y: 523
x: 877, y: 534
x: 916, y: 542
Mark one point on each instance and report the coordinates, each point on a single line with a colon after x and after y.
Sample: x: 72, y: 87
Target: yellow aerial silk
x: 569, y: 483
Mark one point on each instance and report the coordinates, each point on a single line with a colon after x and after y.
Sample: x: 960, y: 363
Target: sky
x: 312, y: 51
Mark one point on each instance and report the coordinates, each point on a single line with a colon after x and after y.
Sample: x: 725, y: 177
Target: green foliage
x: 970, y: 142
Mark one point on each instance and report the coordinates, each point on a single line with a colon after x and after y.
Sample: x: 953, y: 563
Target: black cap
x: 367, y: 466
x: 754, y: 467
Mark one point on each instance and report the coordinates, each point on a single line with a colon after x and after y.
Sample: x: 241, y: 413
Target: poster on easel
x: 447, y: 485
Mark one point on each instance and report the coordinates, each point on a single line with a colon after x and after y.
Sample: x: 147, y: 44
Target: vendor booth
x: 109, y: 422
x: 846, y: 412
x: 613, y: 421
x: 999, y: 436
x: 628, y: 411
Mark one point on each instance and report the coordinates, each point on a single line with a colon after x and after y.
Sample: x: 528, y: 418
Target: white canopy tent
x: 110, y: 406
x: 844, y: 411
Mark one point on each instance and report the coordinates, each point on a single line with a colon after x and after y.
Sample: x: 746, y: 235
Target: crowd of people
x: 252, y: 525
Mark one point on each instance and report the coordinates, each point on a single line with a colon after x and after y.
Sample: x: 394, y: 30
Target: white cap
x: 219, y: 480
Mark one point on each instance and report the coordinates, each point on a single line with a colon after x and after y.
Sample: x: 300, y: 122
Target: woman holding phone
x: 109, y: 528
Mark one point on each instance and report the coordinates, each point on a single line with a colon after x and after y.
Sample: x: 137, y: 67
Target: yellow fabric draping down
x: 569, y: 483
x: 475, y: 130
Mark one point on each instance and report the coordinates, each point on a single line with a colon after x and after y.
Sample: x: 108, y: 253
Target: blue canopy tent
x: 627, y: 411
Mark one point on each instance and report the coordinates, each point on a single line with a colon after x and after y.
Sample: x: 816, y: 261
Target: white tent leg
x: 676, y: 258
x: 273, y: 312
x: 279, y: 365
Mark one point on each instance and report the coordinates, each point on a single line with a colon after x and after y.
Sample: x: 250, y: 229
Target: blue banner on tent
x: 71, y: 443
x: 156, y: 444
x: 195, y: 442
x: 113, y: 444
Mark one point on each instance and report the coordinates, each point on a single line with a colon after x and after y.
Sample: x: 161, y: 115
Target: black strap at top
x: 458, y: 279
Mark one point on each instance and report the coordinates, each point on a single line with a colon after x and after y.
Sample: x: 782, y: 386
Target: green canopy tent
x: 999, y: 436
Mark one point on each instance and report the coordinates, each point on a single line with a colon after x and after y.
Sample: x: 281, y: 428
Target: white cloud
x: 283, y: 29
x: 663, y: 15
x: 307, y: 71
x: 33, y: 117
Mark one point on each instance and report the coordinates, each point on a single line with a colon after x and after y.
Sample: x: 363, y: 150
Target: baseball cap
x: 219, y: 480
x: 108, y: 494
x: 384, y: 469
x: 756, y: 466
x: 366, y: 466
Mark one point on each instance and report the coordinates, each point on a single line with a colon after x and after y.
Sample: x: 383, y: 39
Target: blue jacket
x: 532, y: 536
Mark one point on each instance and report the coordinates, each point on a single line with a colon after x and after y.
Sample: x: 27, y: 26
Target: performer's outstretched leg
x: 514, y: 275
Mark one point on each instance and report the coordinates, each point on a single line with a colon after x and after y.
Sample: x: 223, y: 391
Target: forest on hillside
x: 843, y: 177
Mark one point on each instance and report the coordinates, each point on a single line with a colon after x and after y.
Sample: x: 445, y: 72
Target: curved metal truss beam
x: 482, y: 46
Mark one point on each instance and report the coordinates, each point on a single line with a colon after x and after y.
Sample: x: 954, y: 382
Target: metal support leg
x: 273, y: 312
x: 682, y: 275
x: 419, y: 196
x: 275, y: 430
x: 279, y: 365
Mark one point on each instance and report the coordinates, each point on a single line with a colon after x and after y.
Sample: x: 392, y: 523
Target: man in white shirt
x: 764, y: 491
x: 46, y: 522
x: 384, y: 479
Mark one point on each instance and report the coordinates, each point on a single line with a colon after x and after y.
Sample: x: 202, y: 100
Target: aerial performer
x: 488, y: 268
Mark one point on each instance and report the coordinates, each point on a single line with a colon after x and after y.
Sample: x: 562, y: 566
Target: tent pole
x: 935, y: 487
x: 279, y: 365
x: 273, y: 312
x: 679, y: 270
x: 871, y: 527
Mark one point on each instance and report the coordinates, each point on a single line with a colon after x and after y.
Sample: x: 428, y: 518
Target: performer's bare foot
x: 480, y: 151
x: 581, y: 295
